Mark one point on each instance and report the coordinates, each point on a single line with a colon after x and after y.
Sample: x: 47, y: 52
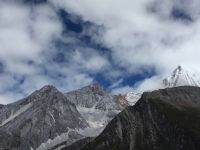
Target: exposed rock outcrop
x: 42, y: 116
x: 166, y: 119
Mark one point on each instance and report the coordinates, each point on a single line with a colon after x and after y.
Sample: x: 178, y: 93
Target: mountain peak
x: 47, y: 89
x: 179, y: 68
x: 95, y: 88
x: 44, y: 115
x: 181, y: 77
x: 93, y: 95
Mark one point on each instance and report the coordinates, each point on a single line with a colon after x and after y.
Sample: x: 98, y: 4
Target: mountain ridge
x: 66, y: 117
x: 37, y: 118
x: 80, y: 113
x: 158, y: 121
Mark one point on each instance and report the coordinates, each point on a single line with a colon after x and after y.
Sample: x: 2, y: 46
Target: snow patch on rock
x: 17, y: 113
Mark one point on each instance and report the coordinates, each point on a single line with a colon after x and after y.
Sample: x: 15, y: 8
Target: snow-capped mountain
x: 180, y: 77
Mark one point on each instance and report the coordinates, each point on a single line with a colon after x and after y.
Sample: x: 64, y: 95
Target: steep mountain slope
x: 96, y: 105
x: 160, y: 120
x: 39, y: 118
x: 181, y: 77
x: 74, y: 146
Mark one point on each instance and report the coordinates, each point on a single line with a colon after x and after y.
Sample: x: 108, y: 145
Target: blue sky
x: 123, y: 45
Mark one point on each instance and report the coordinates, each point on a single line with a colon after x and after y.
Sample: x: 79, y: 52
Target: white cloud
x: 88, y: 59
x: 116, y: 84
x: 149, y: 84
x: 137, y: 37
x: 25, y: 32
x: 144, y: 34
x: 8, y: 98
x: 122, y: 90
x: 141, y: 35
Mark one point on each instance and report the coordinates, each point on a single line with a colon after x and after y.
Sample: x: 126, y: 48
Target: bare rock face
x: 43, y: 115
x: 93, y: 96
x: 74, y: 146
x: 121, y: 100
x: 48, y: 118
x: 160, y: 120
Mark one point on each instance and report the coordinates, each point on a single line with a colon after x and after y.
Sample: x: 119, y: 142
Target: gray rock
x: 79, y: 144
x: 160, y: 120
x: 97, y: 106
x: 43, y: 115
x: 93, y: 96
x: 48, y: 114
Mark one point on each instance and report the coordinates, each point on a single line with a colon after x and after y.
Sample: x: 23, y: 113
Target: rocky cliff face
x: 48, y: 118
x: 42, y: 116
x: 160, y: 120
x: 96, y: 105
x: 93, y: 96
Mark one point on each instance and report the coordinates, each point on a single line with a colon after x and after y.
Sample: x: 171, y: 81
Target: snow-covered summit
x: 180, y: 77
